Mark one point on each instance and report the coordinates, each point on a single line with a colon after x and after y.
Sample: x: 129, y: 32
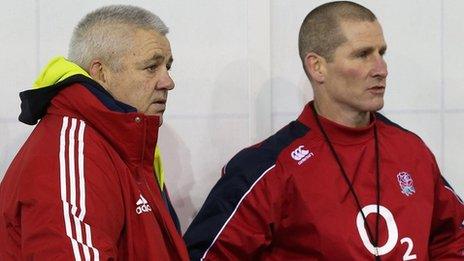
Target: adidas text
x: 143, y: 208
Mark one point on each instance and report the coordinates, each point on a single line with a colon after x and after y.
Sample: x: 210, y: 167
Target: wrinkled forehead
x: 148, y: 41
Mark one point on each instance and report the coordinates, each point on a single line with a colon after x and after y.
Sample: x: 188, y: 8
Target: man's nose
x: 165, y: 82
x: 380, y: 68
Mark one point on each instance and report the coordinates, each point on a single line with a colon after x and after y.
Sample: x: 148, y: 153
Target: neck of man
x: 342, y: 115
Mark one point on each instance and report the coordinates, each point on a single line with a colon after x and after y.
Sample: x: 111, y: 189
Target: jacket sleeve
x: 447, y: 235
x: 237, y: 219
x: 70, y: 203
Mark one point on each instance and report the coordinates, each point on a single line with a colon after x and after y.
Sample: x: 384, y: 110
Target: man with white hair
x: 87, y: 184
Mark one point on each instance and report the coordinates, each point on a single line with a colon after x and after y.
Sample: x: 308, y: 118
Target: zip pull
x: 377, y: 256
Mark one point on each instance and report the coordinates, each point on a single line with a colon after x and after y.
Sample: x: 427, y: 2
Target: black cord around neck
x: 374, y: 241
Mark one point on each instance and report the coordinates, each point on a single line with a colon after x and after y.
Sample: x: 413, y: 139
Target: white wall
x: 238, y: 77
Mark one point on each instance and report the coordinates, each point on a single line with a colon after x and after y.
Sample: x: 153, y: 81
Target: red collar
x: 133, y: 135
x: 338, y: 134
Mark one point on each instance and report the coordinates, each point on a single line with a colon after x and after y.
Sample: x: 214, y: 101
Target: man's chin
x: 375, y: 105
x: 160, y: 116
x: 379, y: 106
x: 376, y: 108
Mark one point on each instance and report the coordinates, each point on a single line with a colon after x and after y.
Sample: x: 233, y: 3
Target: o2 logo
x: 392, y: 233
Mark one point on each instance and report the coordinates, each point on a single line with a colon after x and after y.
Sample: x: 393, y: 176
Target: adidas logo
x: 301, y: 155
x: 142, y: 205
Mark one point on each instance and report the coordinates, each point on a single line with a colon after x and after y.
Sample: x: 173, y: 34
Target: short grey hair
x: 106, y: 33
x: 320, y: 31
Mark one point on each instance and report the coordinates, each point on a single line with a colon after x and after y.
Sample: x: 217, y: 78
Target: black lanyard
x: 350, y: 185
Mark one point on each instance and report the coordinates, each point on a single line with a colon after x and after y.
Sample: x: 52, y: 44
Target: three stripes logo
x: 142, y: 205
x: 301, y: 154
x: 73, y: 188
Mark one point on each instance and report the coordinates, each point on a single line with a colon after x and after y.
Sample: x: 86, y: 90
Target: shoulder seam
x: 236, y: 208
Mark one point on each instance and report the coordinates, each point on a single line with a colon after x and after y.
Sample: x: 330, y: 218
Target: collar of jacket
x: 338, y: 133
x: 58, y: 74
x: 133, y: 135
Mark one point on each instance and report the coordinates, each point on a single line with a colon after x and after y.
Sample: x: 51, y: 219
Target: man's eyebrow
x: 157, y: 59
x: 369, y: 49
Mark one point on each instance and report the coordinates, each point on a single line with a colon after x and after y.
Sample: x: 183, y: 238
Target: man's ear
x: 315, y: 66
x: 98, y: 72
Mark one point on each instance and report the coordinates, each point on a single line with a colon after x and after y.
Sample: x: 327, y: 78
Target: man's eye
x: 168, y: 67
x: 363, y: 54
x: 151, y: 68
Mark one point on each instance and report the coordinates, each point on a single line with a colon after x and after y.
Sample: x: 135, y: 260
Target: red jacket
x: 82, y: 187
x: 286, y: 199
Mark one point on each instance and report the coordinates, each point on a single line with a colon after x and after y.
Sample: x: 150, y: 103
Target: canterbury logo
x: 142, y: 205
x: 301, y: 155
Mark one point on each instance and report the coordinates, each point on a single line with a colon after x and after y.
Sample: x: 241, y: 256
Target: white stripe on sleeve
x: 76, y: 182
x: 66, y: 212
